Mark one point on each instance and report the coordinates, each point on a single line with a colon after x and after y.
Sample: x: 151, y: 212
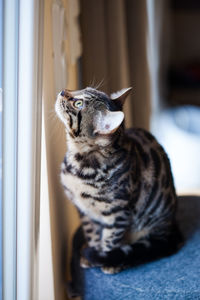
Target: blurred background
x: 178, y: 122
x: 151, y: 45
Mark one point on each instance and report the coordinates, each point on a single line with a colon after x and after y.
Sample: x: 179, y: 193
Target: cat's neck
x: 105, y: 146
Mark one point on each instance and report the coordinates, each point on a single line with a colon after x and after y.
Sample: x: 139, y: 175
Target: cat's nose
x: 66, y: 93
x: 63, y: 93
x: 69, y: 93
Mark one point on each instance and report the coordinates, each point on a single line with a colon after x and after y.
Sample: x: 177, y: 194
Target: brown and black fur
x: 120, y: 182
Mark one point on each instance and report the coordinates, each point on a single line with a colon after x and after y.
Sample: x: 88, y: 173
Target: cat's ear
x: 108, y: 122
x: 120, y: 96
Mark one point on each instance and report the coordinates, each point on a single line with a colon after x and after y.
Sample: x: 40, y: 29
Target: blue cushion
x: 174, y: 277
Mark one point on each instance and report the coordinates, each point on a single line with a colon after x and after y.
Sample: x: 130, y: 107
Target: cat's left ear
x: 121, y: 95
x: 108, y: 122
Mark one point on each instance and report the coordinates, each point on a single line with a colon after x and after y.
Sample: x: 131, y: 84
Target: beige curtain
x: 63, y: 216
x: 114, y: 51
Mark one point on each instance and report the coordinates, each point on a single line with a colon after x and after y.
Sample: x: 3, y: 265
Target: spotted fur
x: 119, y: 180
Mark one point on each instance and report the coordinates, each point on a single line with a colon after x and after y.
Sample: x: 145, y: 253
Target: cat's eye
x: 78, y: 104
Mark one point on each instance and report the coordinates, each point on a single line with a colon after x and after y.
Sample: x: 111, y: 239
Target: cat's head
x: 91, y: 113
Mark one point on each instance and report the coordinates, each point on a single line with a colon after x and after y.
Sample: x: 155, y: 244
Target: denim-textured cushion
x: 175, y: 277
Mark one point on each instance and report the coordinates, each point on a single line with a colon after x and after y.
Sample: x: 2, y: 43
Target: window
x: 21, y: 145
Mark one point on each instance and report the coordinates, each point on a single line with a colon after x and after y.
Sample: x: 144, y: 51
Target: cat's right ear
x: 108, y: 122
x: 120, y: 96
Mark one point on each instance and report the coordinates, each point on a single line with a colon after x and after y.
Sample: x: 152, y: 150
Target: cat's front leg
x: 112, y: 249
x: 112, y: 241
x: 91, y: 231
x: 112, y: 237
x: 114, y: 230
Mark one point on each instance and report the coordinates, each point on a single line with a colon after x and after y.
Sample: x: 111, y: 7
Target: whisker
x: 100, y: 84
x: 56, y: 127
x: 92, y: 82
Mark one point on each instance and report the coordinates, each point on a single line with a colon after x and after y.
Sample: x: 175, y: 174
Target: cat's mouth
x: 60, y: 107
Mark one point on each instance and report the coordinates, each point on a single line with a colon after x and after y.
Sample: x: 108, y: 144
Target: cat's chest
x: 85, y: 191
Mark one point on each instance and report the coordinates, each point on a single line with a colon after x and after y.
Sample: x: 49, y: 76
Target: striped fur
x: 120, y: 182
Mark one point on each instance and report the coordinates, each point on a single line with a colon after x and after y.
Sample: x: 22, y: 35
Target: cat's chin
x: 60, y: 110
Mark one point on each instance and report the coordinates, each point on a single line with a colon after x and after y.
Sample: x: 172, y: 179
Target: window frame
x: 22, y: 100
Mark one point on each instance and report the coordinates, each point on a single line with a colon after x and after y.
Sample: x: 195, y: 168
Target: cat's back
x: 157, y: 195
x: 147, y: 147
x: 154, y: 162
x: 142, y: 137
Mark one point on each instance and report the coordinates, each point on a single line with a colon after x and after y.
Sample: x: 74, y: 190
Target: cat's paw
x: 94, y: 257
x: 111, y: 270
x: 84, y: 263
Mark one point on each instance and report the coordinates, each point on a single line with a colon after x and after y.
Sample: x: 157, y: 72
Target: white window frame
x: 22, y: 90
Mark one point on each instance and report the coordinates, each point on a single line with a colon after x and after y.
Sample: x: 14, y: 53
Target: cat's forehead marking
x: 79, y: 97
x: 94, y: 94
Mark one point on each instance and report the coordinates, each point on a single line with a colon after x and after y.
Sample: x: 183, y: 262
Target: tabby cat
x: 119, y: 180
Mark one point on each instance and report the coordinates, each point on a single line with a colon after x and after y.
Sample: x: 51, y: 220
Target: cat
x: 119, y: 180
